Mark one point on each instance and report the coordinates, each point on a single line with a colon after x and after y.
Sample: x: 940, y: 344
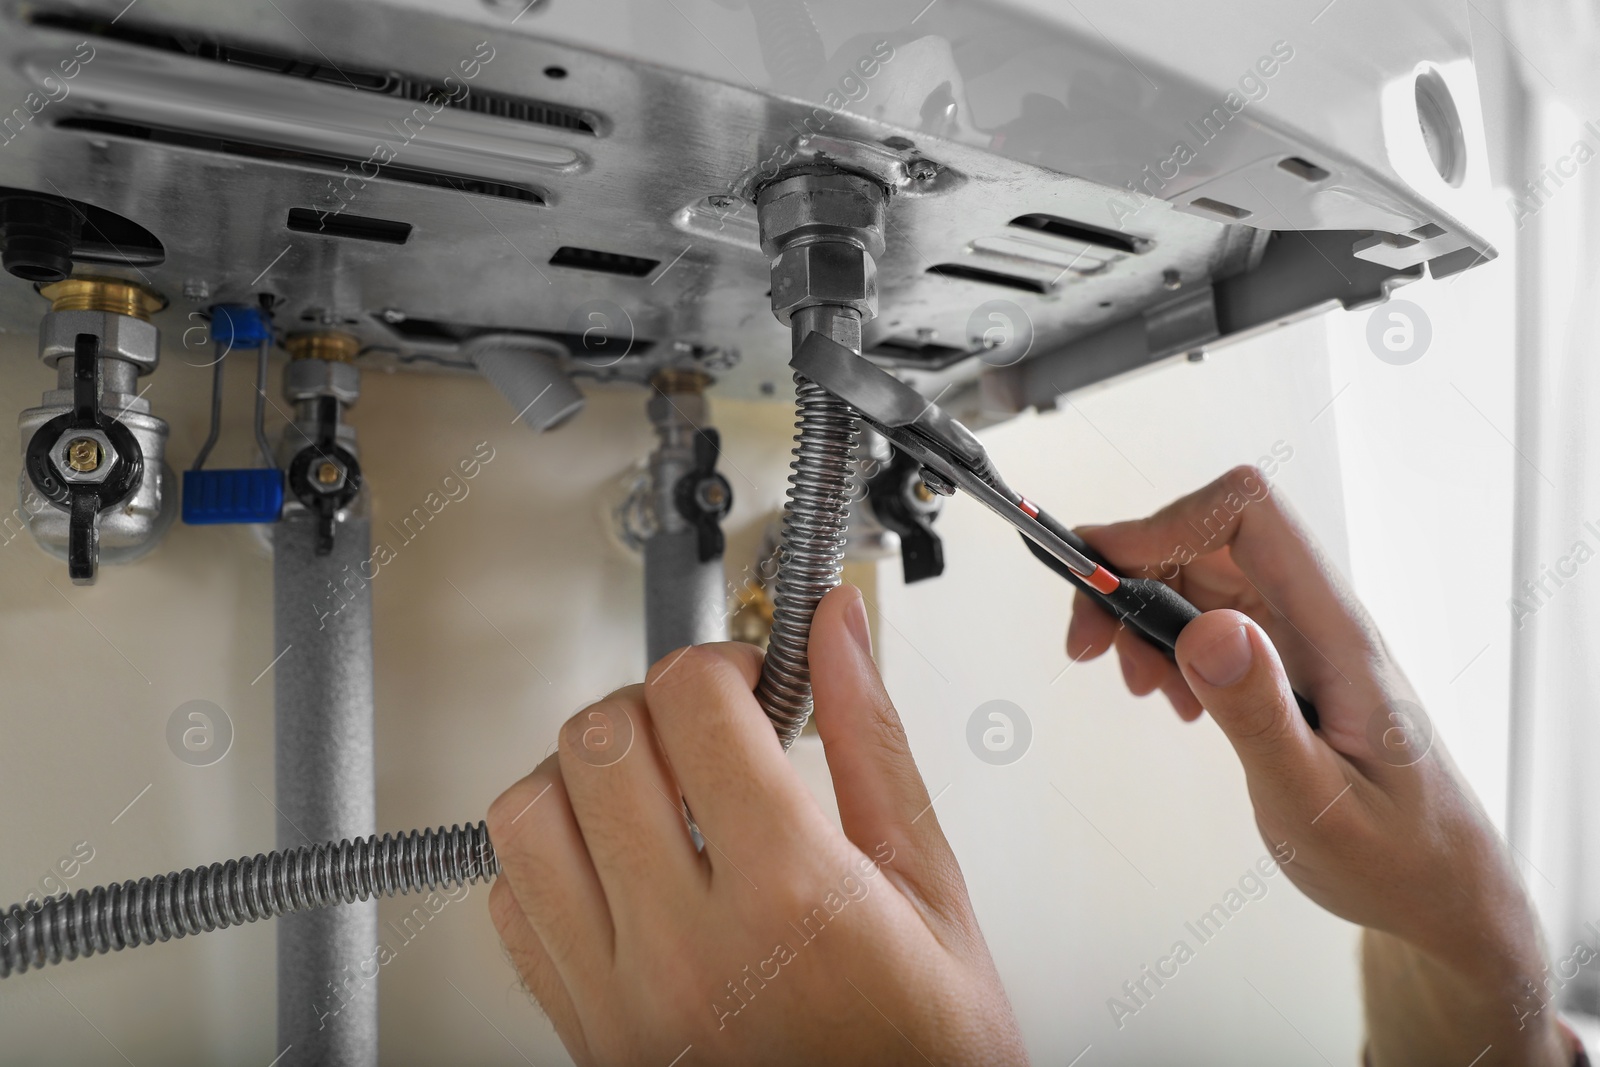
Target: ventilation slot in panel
x: 1084, y: 233
x: 1303, y: 169
x: 603, y: 262
x: 988, y: 277
x: 1218, y: 208
x: 353, y: 227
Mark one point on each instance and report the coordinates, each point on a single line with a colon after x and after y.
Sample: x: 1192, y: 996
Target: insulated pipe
x: 327, y: 967
x: 327, y: 987
x: 685, y: 599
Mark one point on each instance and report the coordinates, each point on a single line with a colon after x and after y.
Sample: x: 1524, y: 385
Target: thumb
x: 883, y: 802
x: 1237, y: 676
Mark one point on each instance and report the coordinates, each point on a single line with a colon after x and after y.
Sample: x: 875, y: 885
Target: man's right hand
x: 1383, y: 830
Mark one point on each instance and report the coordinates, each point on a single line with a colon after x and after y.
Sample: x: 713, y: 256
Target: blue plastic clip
x: 213, y: 497
x: 240, y: 325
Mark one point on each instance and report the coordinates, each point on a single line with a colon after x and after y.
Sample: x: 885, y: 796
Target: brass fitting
x: 103, y: 294
x: 329, y: 345
x: 675, y: 382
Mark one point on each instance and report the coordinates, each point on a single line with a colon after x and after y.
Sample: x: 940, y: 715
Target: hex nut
x: 307, y: 379
x: 836, y: 273
x: 63, y: 466
x: 121, y: 337
x: 809, y: 206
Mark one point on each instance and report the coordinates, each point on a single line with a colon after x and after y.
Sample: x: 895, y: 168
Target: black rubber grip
x: 1150, y: 608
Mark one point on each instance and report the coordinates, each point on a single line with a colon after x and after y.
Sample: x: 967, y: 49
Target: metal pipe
x: 685, y: 597
x: 197, y: 900
x: 823, y: 232
x: 327, y: 1006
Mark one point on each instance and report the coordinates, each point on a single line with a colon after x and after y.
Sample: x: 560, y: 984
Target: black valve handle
x: 703, y: 497
x: 1150, y: 608
x: 85, y: 501
x: 325, y: 500
x: 921, y: 550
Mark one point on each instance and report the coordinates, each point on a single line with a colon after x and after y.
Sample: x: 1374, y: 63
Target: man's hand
x: 1382, y: 829
x: 782, y: 941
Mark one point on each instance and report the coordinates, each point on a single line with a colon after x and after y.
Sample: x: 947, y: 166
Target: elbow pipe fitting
x: 530, y: 375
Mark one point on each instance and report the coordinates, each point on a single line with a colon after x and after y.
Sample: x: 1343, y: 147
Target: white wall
x: 1075, y: 892
x: 1087, y: 857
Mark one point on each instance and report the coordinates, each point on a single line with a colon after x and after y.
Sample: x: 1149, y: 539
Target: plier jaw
x: 951, y: 454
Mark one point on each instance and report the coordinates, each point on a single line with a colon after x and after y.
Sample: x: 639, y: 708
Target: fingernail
x: 1224, y: 661
x: 855, y: 618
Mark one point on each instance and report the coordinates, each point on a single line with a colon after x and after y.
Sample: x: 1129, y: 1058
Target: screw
x: 922, y: 492
x: 922, y: 170
x: 722, y: 200
x: 1171, y: 279
x: 712, y: 495
x: 327, y: 473
x: 83, y: 454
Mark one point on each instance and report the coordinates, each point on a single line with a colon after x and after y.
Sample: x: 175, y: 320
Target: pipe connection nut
x: 823, y: 232
x: 308, y: 379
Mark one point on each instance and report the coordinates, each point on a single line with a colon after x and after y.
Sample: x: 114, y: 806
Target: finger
x: 533, y: 964
x: 1236, y: 674
x: 883, y: 801
x: 627, y: 807
x: 1281, y: 564
x: 746, y: 797
x: 1091, y: 631
x: 1183, y: 701
x: 1144, y: 669
x: 543, y: 858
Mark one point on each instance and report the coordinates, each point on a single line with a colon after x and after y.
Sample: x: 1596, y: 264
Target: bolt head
x: 922, y: 170
x: 83, y: 454
x: 329, y: 473
x: 83, y: 457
